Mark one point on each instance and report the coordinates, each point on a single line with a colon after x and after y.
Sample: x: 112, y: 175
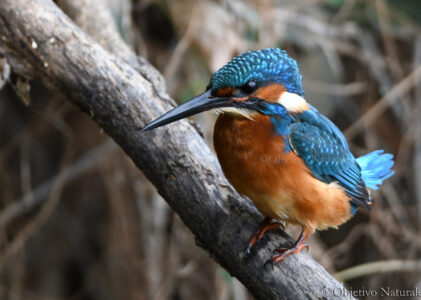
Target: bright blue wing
x: 325, y: 151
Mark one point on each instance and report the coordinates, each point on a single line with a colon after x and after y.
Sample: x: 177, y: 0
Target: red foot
x: 265, y: 226
x: 285, y: 252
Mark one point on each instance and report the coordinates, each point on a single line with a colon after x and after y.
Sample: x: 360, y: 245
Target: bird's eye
x: 249, y: 87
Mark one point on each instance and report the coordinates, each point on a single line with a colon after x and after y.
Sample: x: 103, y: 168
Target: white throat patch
x: 243, y: 112
x: 293, y: 103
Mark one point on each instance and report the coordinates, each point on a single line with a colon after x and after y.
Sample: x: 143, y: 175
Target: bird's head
x: 265, y: 81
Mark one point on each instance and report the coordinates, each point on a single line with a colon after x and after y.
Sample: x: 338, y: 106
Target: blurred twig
x: 403, y: 87
x: 57, y: 186
x: 377, y: 267
x: 82, y: 165
x: 392, y: 59
x: 417, y: 140
x: 344, y: 11
x: 182, y: 46
x: 335, y: 89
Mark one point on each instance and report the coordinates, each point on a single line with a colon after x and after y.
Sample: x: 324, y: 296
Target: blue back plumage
x: 267, y: 65
x: 324, y: 150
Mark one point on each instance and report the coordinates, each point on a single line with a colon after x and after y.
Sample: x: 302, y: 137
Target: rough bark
x: 40, y: 41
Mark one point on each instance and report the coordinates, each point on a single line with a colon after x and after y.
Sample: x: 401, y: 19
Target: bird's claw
x: 285, y: 252
x: 247, y: 251
x: 282, y: 225
x: 265, y: 226
x: 269, y: 262
x: 284, y: 249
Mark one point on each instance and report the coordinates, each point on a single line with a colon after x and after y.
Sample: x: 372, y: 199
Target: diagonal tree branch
x: 39, y: 40
x: 154, y: 216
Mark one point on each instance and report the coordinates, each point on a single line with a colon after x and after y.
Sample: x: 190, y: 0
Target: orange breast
x: 280, y: 184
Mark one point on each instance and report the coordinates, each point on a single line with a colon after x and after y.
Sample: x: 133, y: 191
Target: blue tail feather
x: 375, y: 168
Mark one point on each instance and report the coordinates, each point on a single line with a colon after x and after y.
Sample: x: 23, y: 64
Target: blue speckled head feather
x: 263, y: 66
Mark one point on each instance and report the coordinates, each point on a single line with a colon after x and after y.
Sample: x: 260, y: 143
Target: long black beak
x: 196, y: 105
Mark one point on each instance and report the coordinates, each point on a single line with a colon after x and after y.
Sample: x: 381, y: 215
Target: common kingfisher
x: 279, y: 150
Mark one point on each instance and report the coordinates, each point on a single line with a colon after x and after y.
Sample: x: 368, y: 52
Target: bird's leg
x: 297, y: 247
x: 265, y: 226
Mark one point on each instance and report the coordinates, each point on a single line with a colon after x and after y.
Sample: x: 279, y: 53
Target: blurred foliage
x: 106, y: 234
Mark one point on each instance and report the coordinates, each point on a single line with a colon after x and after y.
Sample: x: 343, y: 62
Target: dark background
x: 100, y: 230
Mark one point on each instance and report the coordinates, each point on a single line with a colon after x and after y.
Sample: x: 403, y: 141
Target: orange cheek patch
x: 224, y: 92
x: 271, y: 92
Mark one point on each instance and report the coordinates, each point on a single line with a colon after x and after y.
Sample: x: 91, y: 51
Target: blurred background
x: 79, y: 221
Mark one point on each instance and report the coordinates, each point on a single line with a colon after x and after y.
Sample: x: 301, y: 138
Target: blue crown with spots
x: 263, y: 66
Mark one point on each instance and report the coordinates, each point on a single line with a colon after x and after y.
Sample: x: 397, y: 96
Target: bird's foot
x: 265, y: 226
x: 283, y: 250
x: 284, y: 253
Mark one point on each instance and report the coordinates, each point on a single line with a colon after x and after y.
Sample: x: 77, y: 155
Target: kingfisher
x: 278, y: 150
